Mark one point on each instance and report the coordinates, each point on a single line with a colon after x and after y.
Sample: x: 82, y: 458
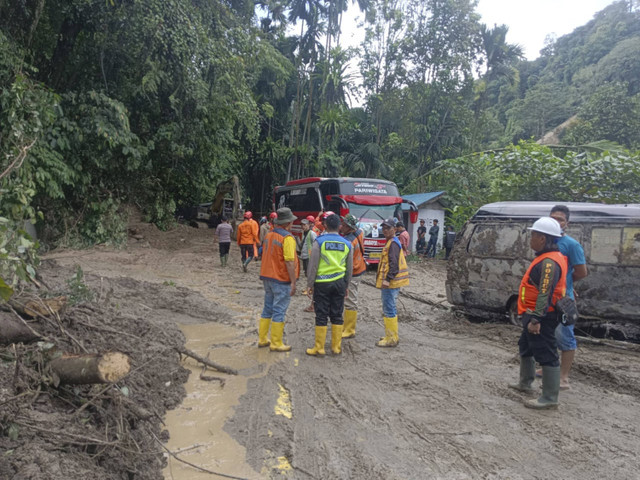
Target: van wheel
x: 513, y: 314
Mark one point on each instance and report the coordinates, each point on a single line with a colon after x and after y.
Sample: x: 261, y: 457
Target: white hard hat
x: 548, y: 226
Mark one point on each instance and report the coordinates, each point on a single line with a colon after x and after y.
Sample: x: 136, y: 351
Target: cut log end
x: 113, y: 366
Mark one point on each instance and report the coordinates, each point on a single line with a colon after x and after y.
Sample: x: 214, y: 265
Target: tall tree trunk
x: 59, y: 60
x: 36, y: 20
x: 295, y: 117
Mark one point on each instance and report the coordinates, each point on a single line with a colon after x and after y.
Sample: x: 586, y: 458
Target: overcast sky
x: 530, y: 21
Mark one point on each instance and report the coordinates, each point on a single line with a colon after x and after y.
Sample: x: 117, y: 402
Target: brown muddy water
x: 196, y: 426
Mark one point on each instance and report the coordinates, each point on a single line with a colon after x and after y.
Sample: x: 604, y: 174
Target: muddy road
x: 437, y: 406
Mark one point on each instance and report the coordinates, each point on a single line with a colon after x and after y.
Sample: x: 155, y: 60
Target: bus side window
x: 305, y: 201
x: 282, y: 200
x: 630, y: 246
x: 605, y: 245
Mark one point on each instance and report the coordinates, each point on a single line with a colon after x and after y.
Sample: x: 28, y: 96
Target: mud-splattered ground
x: 437, y: 406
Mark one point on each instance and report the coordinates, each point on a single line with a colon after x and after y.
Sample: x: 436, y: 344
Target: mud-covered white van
x: 492, y: 252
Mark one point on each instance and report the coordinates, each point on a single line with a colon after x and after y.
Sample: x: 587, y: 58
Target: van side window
x: 605, y: 245
x: 575, y: 231
x: 497, y: 240
x: 630, y: 246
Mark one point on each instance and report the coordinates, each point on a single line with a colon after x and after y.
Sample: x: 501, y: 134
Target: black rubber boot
x: 550, y: 390
x: 527, y: 375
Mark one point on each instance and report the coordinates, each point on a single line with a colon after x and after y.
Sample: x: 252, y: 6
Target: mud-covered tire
x: 512, y: 312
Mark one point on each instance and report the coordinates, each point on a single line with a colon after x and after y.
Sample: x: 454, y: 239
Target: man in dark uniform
x: 421, y: 243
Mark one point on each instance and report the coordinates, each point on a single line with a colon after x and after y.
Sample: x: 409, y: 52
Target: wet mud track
x: 437, y: 406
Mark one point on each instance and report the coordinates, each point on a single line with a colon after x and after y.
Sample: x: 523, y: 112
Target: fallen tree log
x: 90, y: 368
x: 33, y: 306
x: 206, y: 361
x: 12, y: 330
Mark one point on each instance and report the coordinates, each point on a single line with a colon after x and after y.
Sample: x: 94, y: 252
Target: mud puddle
x: 196, y: 426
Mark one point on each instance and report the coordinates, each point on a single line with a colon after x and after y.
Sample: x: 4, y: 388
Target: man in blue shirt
x: 574, y: 252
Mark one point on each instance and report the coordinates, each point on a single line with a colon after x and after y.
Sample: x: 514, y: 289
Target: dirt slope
x: 435, y: 407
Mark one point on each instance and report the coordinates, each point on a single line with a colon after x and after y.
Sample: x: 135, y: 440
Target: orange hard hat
x: 248, y: 214
x: 311, y: 219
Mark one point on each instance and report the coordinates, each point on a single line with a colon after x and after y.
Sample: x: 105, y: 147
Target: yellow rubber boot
x: 336, y: 339
x: 390, y: 338
x: 263, y: 330
x: 350, y: 318
x: 277, y: 330
x: 318, y: 346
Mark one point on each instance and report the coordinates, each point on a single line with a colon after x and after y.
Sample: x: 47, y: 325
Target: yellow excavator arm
x: 226, y: 189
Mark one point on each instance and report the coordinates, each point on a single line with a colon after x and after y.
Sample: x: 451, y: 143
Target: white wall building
x: 429, y: 209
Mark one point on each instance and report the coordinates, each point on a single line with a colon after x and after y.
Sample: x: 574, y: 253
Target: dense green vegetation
x: 106, y: 102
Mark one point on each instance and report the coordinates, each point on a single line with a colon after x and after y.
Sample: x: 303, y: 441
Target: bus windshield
x: 371, y: 216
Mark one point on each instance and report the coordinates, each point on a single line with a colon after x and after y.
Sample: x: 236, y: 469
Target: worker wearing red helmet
x: 318, y: 226
x: 247, y: 239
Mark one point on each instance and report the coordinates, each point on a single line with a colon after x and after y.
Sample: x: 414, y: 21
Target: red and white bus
x: 369, y: 200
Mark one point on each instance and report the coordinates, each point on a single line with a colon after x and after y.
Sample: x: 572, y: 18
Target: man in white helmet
x: 543, y: 284
x: 574, y: 252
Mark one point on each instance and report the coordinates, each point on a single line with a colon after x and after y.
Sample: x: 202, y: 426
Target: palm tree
x: 500, y: 55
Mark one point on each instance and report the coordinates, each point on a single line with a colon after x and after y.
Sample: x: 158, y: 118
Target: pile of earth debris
x: 53, y: 430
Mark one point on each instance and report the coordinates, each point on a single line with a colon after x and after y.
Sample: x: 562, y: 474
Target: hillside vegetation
x: 154, y: 102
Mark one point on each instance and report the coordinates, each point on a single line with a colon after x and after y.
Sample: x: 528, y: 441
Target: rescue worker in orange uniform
x: 543, y: 284
x: 272, y: 219
x: 354, y: 235
x: 247, y: 239
x: 318, y: 226
x: 393, y: 273
x: 279, y: 272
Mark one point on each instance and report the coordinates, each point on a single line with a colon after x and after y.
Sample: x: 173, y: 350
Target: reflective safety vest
x: 273, y: 265
x: 528, y: 293
x: 334, y: 251
x: 356, y: 238
x: 402, y: 278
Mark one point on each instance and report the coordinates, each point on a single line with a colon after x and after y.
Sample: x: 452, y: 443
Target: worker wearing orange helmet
x: 247, y: 239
